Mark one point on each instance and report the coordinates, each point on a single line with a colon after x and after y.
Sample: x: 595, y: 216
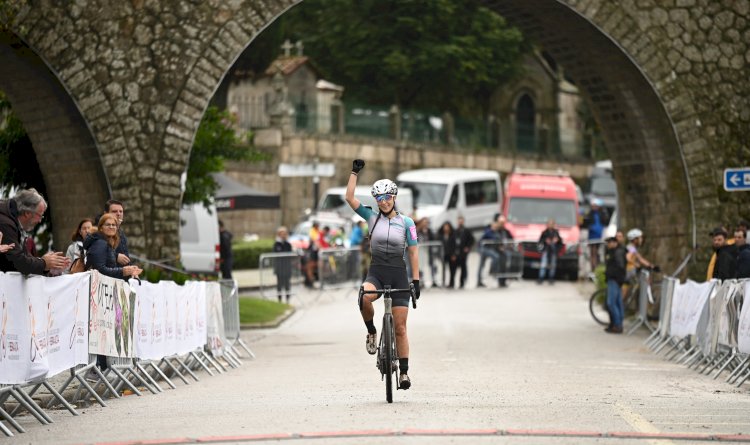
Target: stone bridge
x: 112, y: 92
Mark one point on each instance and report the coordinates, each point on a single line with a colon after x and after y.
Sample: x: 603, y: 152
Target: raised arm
x: 357, y: 166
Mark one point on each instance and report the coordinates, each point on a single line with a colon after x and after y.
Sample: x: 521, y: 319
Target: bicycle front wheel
x: 598, y: 307
x: 387, y: 349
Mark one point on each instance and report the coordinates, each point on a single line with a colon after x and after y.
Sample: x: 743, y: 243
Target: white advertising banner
x: 216, y: 338
x: 688, y: 303
x: 110, y: 331
x: 149, y: 321
x: 743, y: 333
x: 62, y: 301
x: 15, y: 332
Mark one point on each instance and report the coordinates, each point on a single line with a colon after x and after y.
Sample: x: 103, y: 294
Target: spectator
x: 616, y: 262
x: 549, y: 244
x: 226, y: 261
x: 488, y: 248
x: 101, y: 247
x: 464, y: 241
x: 743, y: 253
x: 282, y: 267
x: 505, y: 237
x: 117, y: 208
x: 449, y: 258
x: 634, y: 257
x: 595, y: 221
x: 75, y: 249
x: 726, y: 255
x: 18, y: 215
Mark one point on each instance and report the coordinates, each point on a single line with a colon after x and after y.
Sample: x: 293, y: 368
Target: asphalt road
x: 522, y: 365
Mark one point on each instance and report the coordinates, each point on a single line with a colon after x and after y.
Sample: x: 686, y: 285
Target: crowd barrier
x: 705, y: 326
x: 143, y: 330
x: 505, y: 258
x: 340, y: 268
x: 278, y: 268
x: 431, y: 260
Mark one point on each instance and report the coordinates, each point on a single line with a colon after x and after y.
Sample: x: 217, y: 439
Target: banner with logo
x: 688, y: 304
x: 42, y: 325
x: 111, y: 317
x: 15, y: 332
x: 149, y: 321
x: 60, y: 304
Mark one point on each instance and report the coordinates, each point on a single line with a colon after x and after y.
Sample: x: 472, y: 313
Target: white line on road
x: 639, y: 423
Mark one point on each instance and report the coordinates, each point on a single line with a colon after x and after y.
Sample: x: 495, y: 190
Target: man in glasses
x: 391, y: 234
x: 19, y: 216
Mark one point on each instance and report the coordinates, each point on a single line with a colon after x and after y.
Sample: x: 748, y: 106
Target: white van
x: 333, y: 200
x: 199, y: 239
x: 444, y: 194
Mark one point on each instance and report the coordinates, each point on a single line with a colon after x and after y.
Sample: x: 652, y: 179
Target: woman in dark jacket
x: 100, y: 250
x: 282, y: 266
x: 449, y: 247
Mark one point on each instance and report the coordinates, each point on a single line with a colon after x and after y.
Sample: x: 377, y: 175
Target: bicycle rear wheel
x: 598, y: 307
x: 387, y: 349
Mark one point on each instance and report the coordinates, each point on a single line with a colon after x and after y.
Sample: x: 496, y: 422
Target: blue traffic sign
x: 737, y: 179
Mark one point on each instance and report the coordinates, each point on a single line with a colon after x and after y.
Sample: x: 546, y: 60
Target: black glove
x: 415, y: 288
x: 656, y: 268
x: 357, y: 165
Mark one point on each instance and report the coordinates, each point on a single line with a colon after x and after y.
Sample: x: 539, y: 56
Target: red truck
x: 531, y: 198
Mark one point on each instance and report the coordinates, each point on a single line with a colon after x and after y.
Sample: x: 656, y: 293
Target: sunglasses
x: 381, y: 198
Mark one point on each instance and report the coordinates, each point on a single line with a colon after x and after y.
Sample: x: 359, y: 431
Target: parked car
x: 444, y: 194
x: 333, y: 201
x: 199, y: 239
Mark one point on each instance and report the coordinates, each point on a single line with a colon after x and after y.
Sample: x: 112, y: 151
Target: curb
x: 271, y: 324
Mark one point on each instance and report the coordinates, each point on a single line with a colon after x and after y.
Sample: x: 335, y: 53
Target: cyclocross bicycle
x: 386, y: 358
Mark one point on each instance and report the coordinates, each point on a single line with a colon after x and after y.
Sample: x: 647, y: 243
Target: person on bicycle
x: 635, y: 259
x: 390, y: 234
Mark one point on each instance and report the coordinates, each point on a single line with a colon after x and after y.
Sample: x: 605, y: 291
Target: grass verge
x: 256, y: 310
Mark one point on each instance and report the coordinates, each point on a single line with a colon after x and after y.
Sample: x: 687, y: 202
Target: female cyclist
x: 390, y: 234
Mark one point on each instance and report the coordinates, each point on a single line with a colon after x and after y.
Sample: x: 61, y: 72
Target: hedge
x: 247, y: 253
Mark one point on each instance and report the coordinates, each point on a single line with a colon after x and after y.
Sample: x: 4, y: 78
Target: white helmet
x: 384, y: 187
x: 634, y: 233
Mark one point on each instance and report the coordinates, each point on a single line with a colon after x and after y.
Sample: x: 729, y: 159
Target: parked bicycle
x: 631, y: 291
x: 386, y: 358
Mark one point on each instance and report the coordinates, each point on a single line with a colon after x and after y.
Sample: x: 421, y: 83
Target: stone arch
x: 67, y: 154
x: 598, y: 44
x: 666, y: 82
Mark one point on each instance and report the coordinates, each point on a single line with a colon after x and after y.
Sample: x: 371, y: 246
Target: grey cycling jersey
x: 390, y: 237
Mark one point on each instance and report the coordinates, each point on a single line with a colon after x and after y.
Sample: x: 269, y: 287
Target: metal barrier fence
x: 705, y: 326
x: 339, y: 268
x: 230, y: 304
x: 506, y: 259
x: 431, y: 260
x: 281, y: 274
x: 120, y: 374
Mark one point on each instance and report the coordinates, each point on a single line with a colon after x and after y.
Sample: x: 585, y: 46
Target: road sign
x: 737, y: 179
x: 322, y: 169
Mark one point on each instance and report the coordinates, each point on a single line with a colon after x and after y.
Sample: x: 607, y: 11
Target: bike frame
x: 386, y: 358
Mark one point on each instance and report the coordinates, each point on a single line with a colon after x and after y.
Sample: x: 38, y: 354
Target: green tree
x: 215, y: 142
x: 439, y: 55
x: 18, y: 165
